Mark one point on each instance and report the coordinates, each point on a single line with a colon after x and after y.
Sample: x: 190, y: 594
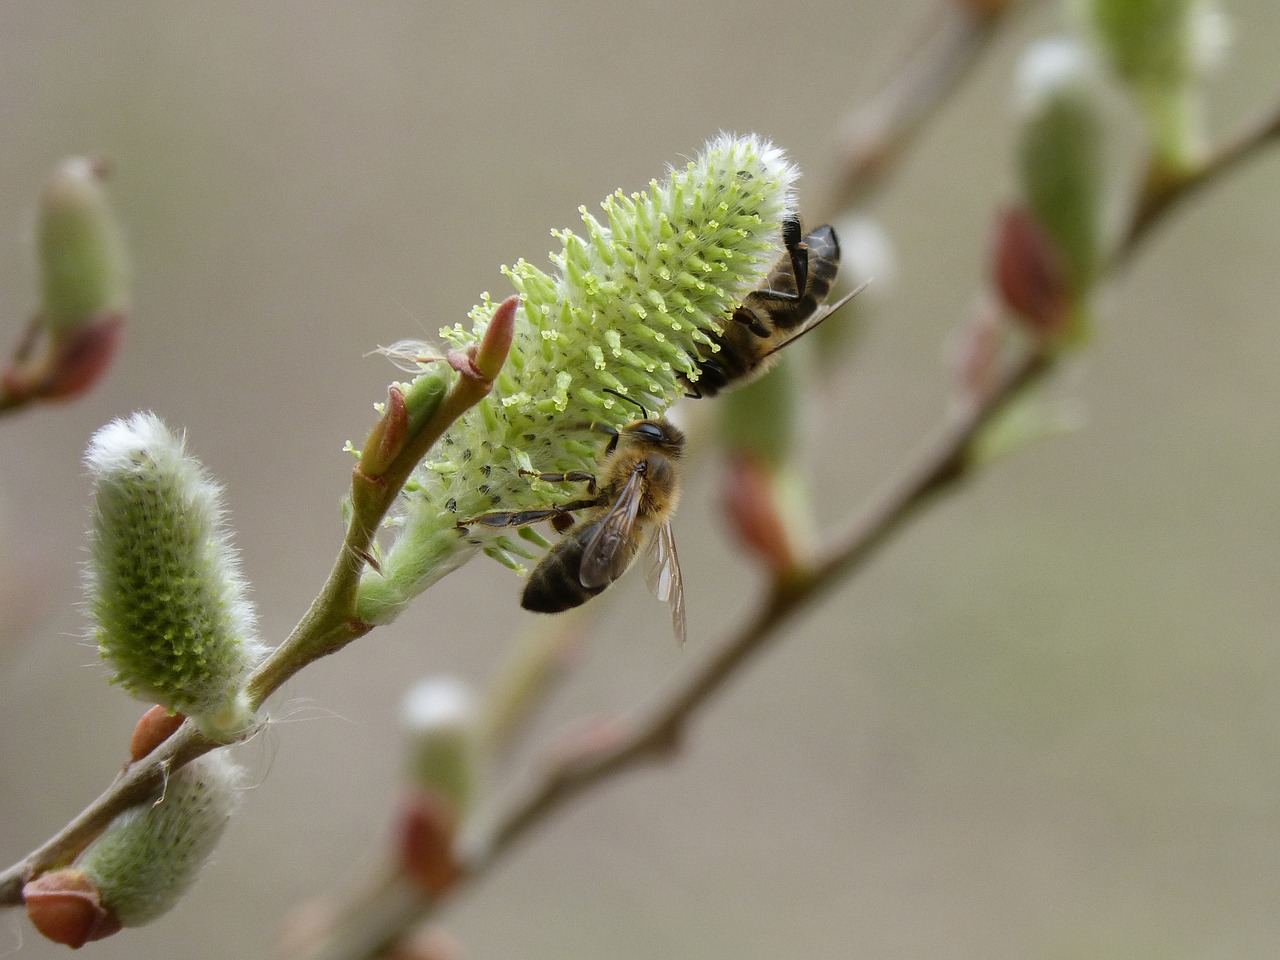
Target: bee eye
x: 651, y: 431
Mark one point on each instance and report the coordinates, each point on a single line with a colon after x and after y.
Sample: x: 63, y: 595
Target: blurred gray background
x: 1044, y: 723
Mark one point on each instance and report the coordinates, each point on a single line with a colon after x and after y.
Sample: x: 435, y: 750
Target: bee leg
x: 573, y: 476
x: 798, y: 251
x: 518, y: 518
x: 521, y: 518
x: 751, y: 320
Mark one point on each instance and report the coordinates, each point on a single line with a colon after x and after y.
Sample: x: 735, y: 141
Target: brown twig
x: 875, y: 134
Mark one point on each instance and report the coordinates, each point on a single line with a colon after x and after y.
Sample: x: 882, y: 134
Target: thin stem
x: 877, y: 132
x: 1163, y: 192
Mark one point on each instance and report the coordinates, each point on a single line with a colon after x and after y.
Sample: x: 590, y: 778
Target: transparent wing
x: 664, y: 577
x: 611, y: 550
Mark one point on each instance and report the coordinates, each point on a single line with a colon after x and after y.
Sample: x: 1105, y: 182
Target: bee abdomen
x: 554, y: 584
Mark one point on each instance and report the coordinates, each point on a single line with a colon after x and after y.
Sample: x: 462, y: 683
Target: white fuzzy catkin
x: 151, y: 854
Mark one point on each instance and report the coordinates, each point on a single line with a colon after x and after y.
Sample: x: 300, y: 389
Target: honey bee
x: 633, y: 499
x: 775, y: 315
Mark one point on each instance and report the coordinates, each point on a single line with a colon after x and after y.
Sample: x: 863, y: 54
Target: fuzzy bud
x: 1061, y: 155
x: 163, y: 581
x: 441, y: 718
x: 83, y: 265
x: 151, y: 854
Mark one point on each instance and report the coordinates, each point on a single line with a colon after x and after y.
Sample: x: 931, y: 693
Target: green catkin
x: 165, y: 593
x: 627, y: 309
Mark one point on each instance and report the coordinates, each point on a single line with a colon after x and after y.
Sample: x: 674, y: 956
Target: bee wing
x: 611, y: 549
x: 664, y: 577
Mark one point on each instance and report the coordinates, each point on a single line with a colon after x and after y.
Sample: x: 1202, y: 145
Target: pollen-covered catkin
x: 627, y: 309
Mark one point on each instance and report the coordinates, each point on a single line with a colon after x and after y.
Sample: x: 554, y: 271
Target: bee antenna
x: 623, y: 396
x: 813, y: 326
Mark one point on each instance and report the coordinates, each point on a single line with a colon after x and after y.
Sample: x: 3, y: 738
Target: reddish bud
x: 65, y: 907
x: 155, y: 727
x: 427, y: 827
x: 464, y: 361
x: 71, y: 363
x: 388, y: 436
x: 484, y: 360
x: 1031, y: 274
x: 81, y: 356
x: 751, y: 503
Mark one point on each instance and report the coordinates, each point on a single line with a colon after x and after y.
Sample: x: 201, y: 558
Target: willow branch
x: 653, y: 733
x: 936, y: 470
x: 325, y: 628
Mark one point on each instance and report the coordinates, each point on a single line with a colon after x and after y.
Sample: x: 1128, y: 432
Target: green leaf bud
x: 1061, y: 154
x: 83, y: 264
x: 151, y: 854
x: 626, y: 310
x: 1162, y: 49
x: 164, y: 587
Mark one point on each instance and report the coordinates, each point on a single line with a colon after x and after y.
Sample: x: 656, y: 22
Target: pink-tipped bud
x: 425, y: 841
x: 156, y: 726
x: 68, y: 366
x: 753, y: 510
x: 388, y: 436
x: 83, y: 264
x: 65, y: 907
x: 1031, y: 274
x: 483, y: 361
